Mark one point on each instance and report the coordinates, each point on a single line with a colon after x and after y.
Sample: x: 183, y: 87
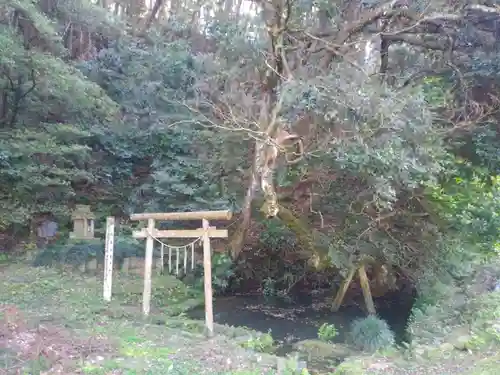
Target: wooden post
x: 185, y: 260
x: 169, y: 260
x: 177, y: 261
x: 108, y: 258
x: 365, y: 287
x: 162, y: 258
x: 148, y: 265
x: 207, y: 272
x: 343, y: 289
x: 192, y: 256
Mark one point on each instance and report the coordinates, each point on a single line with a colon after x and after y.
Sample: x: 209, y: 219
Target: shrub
x: 269, y: 287
x: 263, y: 343
x: 276, y: 235
x: 78, y: 252
x: 483, y: 315
x: 72, y: 253
x: 371, y: 334
x: 444, y: 304
x: 327, y: 332
x: 223, y: 276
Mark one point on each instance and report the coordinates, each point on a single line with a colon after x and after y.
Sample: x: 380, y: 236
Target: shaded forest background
x: 342, y: 131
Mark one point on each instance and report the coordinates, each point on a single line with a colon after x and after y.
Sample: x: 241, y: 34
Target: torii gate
x: 150, y: 233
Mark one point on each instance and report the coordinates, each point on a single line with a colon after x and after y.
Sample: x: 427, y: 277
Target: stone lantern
x: 83, y: 223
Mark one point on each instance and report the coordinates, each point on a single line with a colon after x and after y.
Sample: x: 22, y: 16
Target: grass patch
x: 48, y: 292
x: 487, y: 366
x: 70, y: 307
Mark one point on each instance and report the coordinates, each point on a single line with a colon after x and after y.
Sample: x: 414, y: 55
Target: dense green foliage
x: 128, y: 109
x: 151, y: 84
x: 101, y: 131
x: 106, y: 109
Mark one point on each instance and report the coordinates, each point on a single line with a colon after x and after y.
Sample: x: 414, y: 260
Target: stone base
x: 78, y: 236
x: 135, y: 265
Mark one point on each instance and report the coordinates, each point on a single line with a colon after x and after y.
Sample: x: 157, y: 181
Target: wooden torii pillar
x: 206, y: 232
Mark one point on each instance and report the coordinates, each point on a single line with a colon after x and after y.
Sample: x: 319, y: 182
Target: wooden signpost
x: 206, y: 232
x: 108, y: 258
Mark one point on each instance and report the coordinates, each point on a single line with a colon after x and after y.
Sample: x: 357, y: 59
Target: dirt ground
x: 55, y: 322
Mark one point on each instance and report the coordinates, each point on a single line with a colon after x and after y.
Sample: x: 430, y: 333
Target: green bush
x: 72, y: 253
x: 483, y: 316
x: 222, y: 274
x: 371, y: 334
x: 78, y: 252
x: 444, y: 304
x: 327, y: 332
x: 276, y: 235
x: 263, y: 343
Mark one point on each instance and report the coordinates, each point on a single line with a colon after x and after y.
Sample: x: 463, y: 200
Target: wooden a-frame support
x: 365, y: 287
x: 150, y: 233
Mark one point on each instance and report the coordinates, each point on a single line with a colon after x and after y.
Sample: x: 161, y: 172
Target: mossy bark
x: 237, y: 240
x: 320, y: 258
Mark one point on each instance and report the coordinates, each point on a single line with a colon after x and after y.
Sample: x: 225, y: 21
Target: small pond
x: 293, y: 322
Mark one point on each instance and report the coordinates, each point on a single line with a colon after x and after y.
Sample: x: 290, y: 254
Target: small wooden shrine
x: 83, y: 222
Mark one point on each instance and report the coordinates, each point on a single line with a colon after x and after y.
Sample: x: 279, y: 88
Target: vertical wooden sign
x: 108, y: 258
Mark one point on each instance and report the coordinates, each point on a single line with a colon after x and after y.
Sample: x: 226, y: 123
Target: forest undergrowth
x: 55, y: 321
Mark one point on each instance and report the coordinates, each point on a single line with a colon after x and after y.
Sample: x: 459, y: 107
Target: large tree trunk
x: 266, y: 151
x: 238, y: 238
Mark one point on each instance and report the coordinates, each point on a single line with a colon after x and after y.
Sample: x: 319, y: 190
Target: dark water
x: 292, y: 322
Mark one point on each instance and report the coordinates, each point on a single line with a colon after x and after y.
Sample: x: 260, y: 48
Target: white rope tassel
x: 177, y: 262
x: 192, y: 256
x: 169, y: 260
x: 162, y: 258
x: 185, y: 259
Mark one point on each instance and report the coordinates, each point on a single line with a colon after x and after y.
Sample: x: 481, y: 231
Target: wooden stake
x: 207, y: 271
x: 365, y: 287
x: 343, y: 290
x: 192, y: 256
x: 162, y: 258
x: 185, y: 260
x: 177, y: 261
x: 169, y: 260
x: 148, y: 265
x: 108, y: 258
